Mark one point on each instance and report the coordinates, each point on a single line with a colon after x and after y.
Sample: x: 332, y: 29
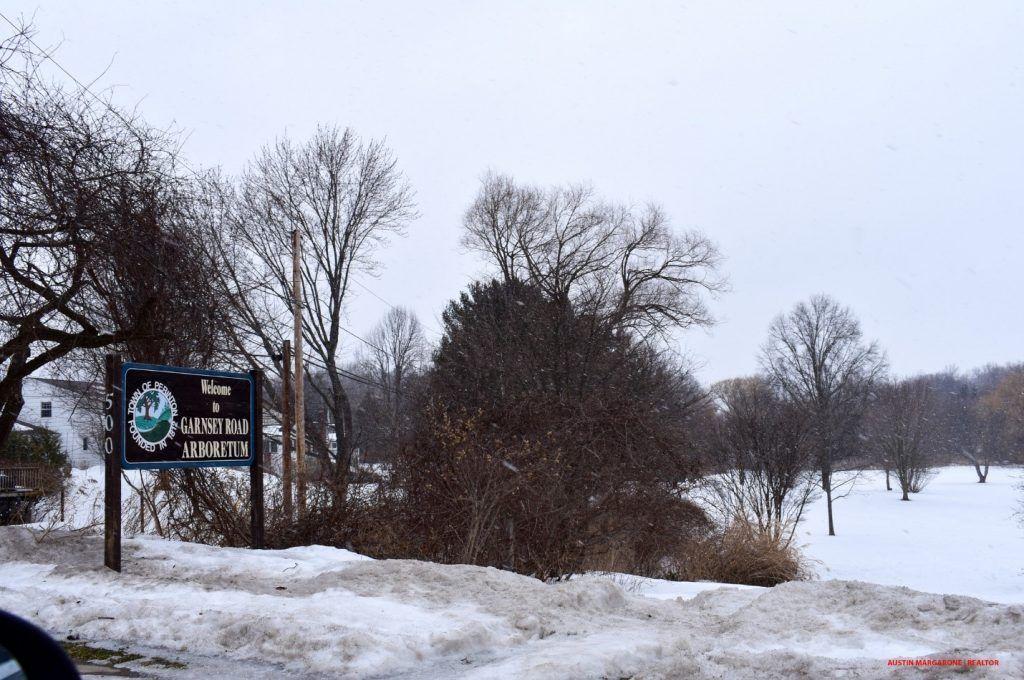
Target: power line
x: 359, y: 379
x: 341, y: 371
x: 361, y: 338
x: 128, y: 123
x: 64, y: 70
x: 367, y: 289
x: 86, y: 88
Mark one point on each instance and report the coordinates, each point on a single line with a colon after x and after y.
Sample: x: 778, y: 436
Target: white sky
x: 870, y: 150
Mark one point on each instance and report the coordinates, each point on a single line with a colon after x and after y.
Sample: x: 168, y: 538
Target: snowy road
x: 322, y: 612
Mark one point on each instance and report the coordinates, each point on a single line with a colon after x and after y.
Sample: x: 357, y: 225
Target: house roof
x: 76, y: 386
x: 25, y: 426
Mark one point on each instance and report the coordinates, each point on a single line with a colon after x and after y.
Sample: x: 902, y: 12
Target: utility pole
x: 286, y: 427
x: 300, y: 406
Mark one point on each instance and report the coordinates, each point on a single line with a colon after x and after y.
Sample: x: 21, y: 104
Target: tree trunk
x: 12, y: 406
x: 826, y: 485
x: 831, y: 522
x: 13, y: 400
x: 982, y: 476
x: 341, y: 413
x: 888, y: 486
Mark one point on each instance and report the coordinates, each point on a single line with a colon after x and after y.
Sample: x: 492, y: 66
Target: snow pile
x: 319, y: 611
x: 659, y: 589
x: 325, y: 611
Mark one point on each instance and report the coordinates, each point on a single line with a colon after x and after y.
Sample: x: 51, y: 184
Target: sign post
x: 256, y: 469
x: 112, y: 458
x: 163, y: 417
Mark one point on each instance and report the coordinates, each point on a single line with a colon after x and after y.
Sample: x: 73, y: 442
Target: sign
x: 186, y: 417
x: 171, y: 417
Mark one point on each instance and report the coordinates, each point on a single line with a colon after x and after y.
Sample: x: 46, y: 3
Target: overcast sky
x: 870, y: 150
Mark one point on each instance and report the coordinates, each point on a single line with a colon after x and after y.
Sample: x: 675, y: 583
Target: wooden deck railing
x: 24, y: 478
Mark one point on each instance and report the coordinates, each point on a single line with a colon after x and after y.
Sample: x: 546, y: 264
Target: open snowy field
x: 324, y: 612
x: 956, y: 536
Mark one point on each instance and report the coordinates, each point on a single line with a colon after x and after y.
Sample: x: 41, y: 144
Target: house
x: 71, y: 409
x: 272, y: 445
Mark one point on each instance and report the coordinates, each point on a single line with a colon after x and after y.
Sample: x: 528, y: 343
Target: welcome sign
x: 185, y: 417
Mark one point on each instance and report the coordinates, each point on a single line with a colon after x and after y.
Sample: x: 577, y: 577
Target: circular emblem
x: 152, y: 415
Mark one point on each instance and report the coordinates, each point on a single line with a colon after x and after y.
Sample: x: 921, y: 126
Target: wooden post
x: 256, y: 470
x: 286, y: 428
x: 112, y: 454
x: 300, y: 406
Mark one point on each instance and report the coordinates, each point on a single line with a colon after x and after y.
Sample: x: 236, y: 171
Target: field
x: 956, y: 536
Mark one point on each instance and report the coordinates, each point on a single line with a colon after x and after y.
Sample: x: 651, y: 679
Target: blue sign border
x: 125, y: 367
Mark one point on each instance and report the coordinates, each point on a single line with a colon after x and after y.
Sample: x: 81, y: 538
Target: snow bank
x: 318, y: 611
x: 325, y: 611
x: 659, y: 589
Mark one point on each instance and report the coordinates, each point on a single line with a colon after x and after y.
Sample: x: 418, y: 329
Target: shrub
x: 35, y: 447
x: 741, y: 554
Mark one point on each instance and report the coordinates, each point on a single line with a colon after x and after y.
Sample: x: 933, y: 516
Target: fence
x: 24, y: 479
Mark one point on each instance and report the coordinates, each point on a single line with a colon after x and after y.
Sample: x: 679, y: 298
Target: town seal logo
x: 153, y: 415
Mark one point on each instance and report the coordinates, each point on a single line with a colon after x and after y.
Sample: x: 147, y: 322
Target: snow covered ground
x: 956, y: 536
x: 323, y: 612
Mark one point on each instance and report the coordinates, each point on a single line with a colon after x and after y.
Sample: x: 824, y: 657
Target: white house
x: 272, y: 439
x: 69, y: 408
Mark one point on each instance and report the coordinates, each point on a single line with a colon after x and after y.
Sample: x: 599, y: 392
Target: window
x: 85, y: 443
x: 46, y: 409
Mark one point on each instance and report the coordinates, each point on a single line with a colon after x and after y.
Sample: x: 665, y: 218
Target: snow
x: 83, y: 504
x: 324, y: 612
x: 663, y: 590
x: 955, y: 536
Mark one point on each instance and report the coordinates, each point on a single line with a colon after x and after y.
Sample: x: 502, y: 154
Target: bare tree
x: 900, y: 427
x: 765, y: 467
x: 85, y: 192
x: 625, y: 267
x: 18, y: 54
x: 1002, y: 409
x: 396, y: 350
x: 816, y: 355
x: 345, y: 197
x: 977, y: 415
x: 977, y: 425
